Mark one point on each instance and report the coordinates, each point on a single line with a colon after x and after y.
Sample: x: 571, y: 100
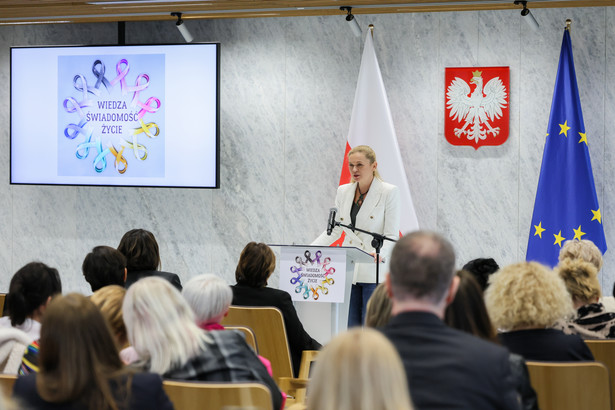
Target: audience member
x: 378, y: 311
x: 468, y: 313
x: 256, y: 264
x: 104, y: 266
x: 161, y: 327
x: 582, y: 249
x: 358, y: 370
x: 481, y: 269
x: 80, y: 367
x: 524, y: 300
x: 109, y: 300
x: 30, y: 290
x: 592, y: 321
x: 209, y: 296
x: 587, y: 251
x: 143, y: 257
x: 446, y: 368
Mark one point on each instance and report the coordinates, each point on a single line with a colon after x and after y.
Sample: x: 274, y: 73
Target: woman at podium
x: 370, y: 204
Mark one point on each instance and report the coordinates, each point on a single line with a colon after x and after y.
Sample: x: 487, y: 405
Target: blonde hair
x: 527, y: 295
x: 109, y: 300
x: 378, y: 311
x: 583, y: 249
x: 581, y: 279
x: 161, y: 325
x: 358, y: 370
x: 369, y: 154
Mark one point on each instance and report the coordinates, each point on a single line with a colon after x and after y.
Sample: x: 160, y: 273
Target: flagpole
x: 568, y: 24
x: 371, y: 29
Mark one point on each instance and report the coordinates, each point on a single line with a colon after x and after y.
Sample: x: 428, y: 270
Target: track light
x: 354, y: 26
x: 529, y: 17
x: 182, y: 27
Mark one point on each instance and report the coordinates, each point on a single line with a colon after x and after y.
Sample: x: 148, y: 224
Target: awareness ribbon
x: 100, y: 75
x: 81, y: 84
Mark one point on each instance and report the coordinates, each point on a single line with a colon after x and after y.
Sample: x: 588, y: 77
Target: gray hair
x: 208, y: 295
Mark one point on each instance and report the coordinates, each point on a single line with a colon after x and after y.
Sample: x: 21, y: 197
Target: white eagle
x: 482, y: 106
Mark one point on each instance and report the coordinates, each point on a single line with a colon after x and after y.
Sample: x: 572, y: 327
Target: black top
x: 146, y: 393
x: 547, y: 345
x: 448, y: 368
x: 298, y: 339
x: 354, y: 210
x: 134, y: 276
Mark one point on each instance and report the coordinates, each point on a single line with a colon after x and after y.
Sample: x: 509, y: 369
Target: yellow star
x: 578, y: 233
x: 564, y: 128
x: 597, y: 216
x: 558, y: 239
x: 539, y: 229
x: 583, y: 138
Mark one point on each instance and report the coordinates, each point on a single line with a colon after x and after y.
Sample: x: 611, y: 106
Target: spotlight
x: 354, y: 26
x: 530, y: 20
x: 182, y: 28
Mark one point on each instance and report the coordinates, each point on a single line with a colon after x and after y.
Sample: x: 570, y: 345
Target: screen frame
x: 187, y: 45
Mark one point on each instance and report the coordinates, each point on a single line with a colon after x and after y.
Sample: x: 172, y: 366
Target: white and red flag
x: 371, y: 124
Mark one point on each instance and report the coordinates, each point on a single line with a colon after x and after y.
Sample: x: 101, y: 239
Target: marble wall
x: 287, y: 87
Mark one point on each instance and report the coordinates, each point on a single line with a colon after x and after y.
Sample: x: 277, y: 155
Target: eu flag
x: 566, y: 204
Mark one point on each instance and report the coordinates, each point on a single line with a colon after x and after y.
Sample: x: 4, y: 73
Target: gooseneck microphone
x: 331, y: 223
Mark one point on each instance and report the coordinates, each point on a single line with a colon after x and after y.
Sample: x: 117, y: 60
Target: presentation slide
x: 115, y: 115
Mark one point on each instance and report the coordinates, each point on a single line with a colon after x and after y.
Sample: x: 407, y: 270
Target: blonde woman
x: 161, y: 327
x: 525, y: 300
x: 592, y: 321
x: 379, y: 307
x: 359, y: 370
x: 370, y: 204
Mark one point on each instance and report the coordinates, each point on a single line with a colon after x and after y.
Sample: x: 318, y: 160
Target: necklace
x: 361, y: 196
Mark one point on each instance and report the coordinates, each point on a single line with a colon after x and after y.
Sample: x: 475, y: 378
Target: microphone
x: 331, y: 223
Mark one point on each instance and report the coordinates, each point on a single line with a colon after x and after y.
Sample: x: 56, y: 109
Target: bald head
x: 422, y: 267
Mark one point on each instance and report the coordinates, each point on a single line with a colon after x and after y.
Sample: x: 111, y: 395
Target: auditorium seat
x: 604, y: 352
x: 571, y: 385
x: 187, y: 395
x: 268, y: 326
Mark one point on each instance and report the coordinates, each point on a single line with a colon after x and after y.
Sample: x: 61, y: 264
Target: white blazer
x: 379, y: 213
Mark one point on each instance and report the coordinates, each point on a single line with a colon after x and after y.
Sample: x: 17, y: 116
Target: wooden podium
x: 313, y: 312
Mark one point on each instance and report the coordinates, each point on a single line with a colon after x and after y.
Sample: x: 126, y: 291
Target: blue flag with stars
x: 566, y: 204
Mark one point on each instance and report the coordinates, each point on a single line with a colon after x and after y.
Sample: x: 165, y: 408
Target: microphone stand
x: 377, y: 242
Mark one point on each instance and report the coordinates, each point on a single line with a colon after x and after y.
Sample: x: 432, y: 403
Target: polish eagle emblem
x: 475, y: 115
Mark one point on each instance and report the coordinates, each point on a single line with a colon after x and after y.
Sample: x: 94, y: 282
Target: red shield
x: 476, y: 101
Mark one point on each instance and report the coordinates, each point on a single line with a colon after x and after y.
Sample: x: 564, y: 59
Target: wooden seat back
x: 249, y: 334
x: 571, y: 385
x: 268, y: 326
x: 604, y: 352
x: 7, y: 381
x: 217, y: 396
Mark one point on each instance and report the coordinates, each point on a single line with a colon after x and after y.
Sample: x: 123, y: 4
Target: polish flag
x: 371, y: 124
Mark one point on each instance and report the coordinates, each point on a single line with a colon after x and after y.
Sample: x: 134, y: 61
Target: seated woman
x: 592, y: 321
x: 30, y: 291
x: 109, y: 300
x: 80, y: 367
x: 379, y: 306
x: 256, y: 264
x: 358, y: 370
x: 161, y: 327
x: 31, y: 288
x: 467, y: 312
x: 209, y: 296
x: 143, y: 257
x: 525, y: 300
